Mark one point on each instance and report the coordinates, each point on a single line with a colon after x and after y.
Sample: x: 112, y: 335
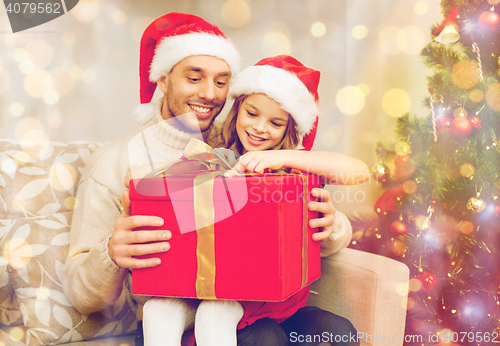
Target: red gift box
x: 259, y: 246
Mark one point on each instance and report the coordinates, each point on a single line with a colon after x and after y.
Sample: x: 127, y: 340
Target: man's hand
x: 257, y: 161
x: 327, y: 209
x: 125, y: 243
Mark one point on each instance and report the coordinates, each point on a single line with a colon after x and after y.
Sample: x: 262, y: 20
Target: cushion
x: 40, y: 178
x: 38, y: 183
x: 37, y: 251
x: 36, y: 178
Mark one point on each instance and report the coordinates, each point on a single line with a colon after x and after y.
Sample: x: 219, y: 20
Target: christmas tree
x: 440, y: 211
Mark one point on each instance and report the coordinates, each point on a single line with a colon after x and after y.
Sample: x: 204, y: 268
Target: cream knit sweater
x: 91, y: 280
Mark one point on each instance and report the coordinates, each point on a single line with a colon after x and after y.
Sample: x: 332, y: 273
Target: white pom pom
x: 144, y: 112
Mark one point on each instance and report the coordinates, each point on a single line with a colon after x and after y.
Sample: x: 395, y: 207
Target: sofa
x: 38, y: 183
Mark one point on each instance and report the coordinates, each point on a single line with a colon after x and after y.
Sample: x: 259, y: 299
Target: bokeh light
x: 467, y: 170
x: 466, y: 227
x: 64, y: 178
x: 414, y: 285
x: 493, y: 97
x: 51, y: 97
x: 359, y: 32
x: 331, y: 135
x: 460, y: 112
x: 40, y: 53
x: 465, y: 74
x: 275, y: 43
x: 68, y: 37
x: 446, y: 336
x: 350, y: 100
x: 365, y: 89
x: 388, y: 39
x: 4, y: 81
x: 396, y: 102
x: 9, y: 166
x: 37, y: 83
x: 16, y: 334
x: 42, y: 293
x: 71, y: 203
x: 318, y: 29
x: 235, y: 13
x: 62, y: 82
x: 86, y: 10
x: 402, y: 148
x: 402, y: 289
x: 476, y: 95
x: 16, y: 109
x: 76, y: 72
x: 411, y: 40
x: 29, y: 128
x: 119, y: 17
x: 26, y: 67
x: 421, y: 8
x: 140, y: 24
x: 21, y: 54
x: 409, y: 186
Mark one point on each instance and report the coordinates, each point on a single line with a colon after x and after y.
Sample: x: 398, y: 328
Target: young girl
x: 274, y: 113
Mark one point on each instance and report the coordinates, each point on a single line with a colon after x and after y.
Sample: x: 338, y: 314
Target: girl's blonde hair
x: 229, y: 136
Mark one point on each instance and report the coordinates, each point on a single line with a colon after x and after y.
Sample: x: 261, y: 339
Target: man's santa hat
x: 172, y: 38
x: 293, y: 85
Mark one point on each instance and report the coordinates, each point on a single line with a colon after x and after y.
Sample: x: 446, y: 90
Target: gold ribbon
x: 305, y: 227
x: 205, y: 242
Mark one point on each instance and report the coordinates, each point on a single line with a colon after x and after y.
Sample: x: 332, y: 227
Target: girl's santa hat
x: 172, y: 38
x: 293, y: 85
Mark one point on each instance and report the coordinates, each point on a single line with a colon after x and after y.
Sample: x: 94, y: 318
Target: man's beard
x: 188, y: 122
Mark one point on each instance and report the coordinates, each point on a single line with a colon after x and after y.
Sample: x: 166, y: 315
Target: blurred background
x: 76, y: 78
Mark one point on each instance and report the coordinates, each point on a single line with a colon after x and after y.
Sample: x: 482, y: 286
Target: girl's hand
x: 258, y: 161
x: 327, y: 220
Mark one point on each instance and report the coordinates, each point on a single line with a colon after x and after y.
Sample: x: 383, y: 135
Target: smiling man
x: 191, y: 62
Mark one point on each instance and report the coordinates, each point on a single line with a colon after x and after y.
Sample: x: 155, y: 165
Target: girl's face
x: 261, y: 123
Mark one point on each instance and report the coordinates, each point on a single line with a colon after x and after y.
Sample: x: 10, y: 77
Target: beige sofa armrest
x: 367, y: 289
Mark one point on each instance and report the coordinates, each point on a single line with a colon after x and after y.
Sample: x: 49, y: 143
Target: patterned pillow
x: 40, y: 178
x: 36, y: 254
x: 38, y: 182
x: 36, y: 179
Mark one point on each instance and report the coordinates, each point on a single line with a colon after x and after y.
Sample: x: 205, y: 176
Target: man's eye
x: 220, y: 84
x: 193, y: 80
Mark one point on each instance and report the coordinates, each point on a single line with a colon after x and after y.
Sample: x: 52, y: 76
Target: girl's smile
x: 261, y: 123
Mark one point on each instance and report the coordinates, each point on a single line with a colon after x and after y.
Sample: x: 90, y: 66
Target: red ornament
x: 398, y: 228
x: 489, y: 21
x: 475, y: 121
x: 404, y: 167
x: 428, y: 281
x: 388, y: 200
x: 461, y: 127
x: 443, y: 123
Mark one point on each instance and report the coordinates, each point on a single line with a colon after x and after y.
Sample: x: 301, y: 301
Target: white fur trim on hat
x: 172, y: 49
x: 144, y: 112
x: 283, y: 87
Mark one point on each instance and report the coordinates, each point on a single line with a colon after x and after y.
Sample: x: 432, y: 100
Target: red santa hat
x: 293, y: 85
x: 174, y: 37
